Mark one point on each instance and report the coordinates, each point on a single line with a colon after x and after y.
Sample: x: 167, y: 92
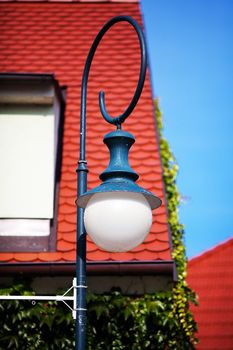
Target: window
x: 30, y: 125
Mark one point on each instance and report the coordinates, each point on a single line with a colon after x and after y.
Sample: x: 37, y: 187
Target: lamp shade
x: 118, y: 221
x: 118, y: 212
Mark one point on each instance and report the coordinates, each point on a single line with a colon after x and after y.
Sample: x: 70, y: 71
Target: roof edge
x: 75, y: 1
x: 211, y: 251
x: 93, y: 268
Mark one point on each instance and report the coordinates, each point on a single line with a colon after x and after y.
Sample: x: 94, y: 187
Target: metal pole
x: 81, y: 311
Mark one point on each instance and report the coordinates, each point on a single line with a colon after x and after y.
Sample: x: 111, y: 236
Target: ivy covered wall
x: 158, y: 321
x: 182, y: 295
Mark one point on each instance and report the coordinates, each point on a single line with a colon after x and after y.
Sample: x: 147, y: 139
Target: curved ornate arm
x: 118, y: 120
x: 80, y: 305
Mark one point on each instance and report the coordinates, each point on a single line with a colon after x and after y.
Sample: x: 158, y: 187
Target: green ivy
x: 28, y: 326
x: 182, y: 294
x: 160, y: 321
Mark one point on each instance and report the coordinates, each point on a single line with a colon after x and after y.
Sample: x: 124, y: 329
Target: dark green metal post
x: 80, y: 336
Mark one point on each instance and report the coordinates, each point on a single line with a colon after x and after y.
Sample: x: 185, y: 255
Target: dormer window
x: 30, y: 111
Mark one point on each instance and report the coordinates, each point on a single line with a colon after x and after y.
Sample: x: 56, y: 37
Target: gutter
x: 96, y: 268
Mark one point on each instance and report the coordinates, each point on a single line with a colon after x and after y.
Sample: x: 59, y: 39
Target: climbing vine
x: 182, y: 294
x: 160, y: 321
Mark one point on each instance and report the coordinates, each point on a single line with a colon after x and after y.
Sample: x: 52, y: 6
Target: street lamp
x: 116, y: 214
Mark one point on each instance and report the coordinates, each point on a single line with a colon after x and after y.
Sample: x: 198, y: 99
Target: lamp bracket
x: 64, y: 297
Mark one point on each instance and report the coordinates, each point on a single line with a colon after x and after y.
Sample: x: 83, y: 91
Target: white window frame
x: 40, y: 96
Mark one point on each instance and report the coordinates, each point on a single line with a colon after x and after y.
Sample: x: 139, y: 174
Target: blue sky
x: 190, y: 45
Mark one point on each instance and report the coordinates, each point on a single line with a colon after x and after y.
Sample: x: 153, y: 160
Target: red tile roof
x: 55, y: 38
x: 82, y: 1
x: 211, y: 276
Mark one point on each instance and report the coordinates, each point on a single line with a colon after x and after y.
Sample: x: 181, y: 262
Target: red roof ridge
x: 81, y: 1
x: 209, y: 252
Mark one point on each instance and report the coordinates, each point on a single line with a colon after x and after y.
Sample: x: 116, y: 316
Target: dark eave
x: 27, y: 88
x: 93, y: 268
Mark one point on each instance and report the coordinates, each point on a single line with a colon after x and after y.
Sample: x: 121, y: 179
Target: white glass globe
x: 118, y: 221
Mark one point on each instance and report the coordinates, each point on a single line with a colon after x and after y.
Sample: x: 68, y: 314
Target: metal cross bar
x: 64, y: 297
x: 36, y: 297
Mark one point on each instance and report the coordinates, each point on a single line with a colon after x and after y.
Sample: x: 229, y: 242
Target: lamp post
x: 117, y: 213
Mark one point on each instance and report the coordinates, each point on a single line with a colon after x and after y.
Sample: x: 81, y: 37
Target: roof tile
x: 69, y: 256
x: 7, y: 257
x: 51, y: 256
x: 26, y: 257
x: 69, y: 237
x: 64, y: 246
